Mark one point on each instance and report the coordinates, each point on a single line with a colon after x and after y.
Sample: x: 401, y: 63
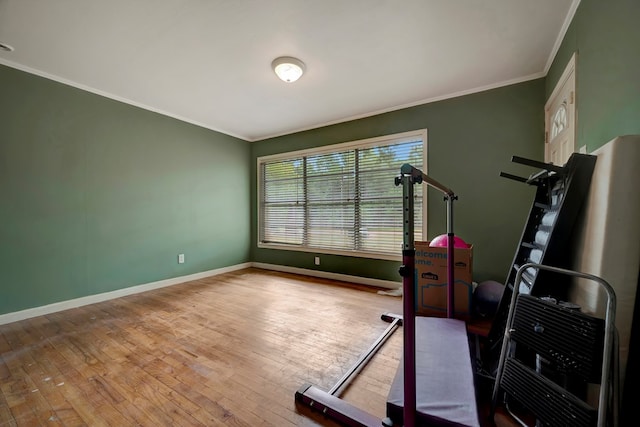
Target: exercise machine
x: 329, y: 402
x: 547, y: 238
x: 404, y: 386
x: 436, y: 350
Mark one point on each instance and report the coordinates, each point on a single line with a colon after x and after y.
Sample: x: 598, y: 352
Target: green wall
x: 606, y: 37
x: 97, y: 195
x: 470, y: 141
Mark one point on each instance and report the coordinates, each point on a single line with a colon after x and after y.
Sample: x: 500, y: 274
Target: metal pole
x: 408, y: 309
x: 410, y: 175
x: 450, y: 259
x: 365, y: 357
x: 416, y: 173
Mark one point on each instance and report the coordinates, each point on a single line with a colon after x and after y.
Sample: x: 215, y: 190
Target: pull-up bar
x: 419, y: 177
x: 328, y: 402
x: 409, y: 176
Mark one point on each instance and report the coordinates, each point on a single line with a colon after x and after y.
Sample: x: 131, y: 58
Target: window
x: 339, y: 199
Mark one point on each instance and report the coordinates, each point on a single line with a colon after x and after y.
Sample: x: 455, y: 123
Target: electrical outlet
x: 180, y: 258
x: 317, y: 260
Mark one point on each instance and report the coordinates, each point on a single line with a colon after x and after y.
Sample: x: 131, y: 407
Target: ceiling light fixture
x: 287, y: 68
x: 5, y: 47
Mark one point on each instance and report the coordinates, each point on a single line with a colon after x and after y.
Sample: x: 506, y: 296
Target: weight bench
x: 445, y: 385
x: 434, y: 384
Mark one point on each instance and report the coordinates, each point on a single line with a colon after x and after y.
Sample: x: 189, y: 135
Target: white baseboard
x: 328, y: 275
x: 92, y: 299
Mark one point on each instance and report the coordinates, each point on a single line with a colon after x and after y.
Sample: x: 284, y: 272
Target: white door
x: 560, y: 118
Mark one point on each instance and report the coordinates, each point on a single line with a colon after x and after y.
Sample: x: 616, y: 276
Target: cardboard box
x: 431, y: 280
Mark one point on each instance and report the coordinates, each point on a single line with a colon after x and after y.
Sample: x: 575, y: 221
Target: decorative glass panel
x: 560, y: 120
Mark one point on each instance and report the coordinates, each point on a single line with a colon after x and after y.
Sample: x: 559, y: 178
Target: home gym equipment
x: 550, y: 352
x: 435, y: 350
x: 434, y: 384
x: 547, y: 238
x: 444, y: 378
x: 329, y: 403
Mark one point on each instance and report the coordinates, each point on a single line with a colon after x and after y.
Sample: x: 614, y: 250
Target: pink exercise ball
x: 442, y: 240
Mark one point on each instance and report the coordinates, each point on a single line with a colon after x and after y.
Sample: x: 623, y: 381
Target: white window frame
x: 364, y: 143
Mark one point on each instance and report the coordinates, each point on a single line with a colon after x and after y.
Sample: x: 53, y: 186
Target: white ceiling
x: 208, y: 62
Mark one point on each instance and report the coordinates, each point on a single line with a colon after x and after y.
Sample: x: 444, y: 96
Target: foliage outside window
x: 340, y: 199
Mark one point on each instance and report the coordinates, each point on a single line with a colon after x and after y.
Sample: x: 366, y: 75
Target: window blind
x: 343, y: 200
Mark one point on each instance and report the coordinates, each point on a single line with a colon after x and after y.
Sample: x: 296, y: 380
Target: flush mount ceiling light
x: 287, y: 68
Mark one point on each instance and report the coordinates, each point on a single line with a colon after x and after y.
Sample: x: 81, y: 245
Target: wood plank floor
x: 229, y: 350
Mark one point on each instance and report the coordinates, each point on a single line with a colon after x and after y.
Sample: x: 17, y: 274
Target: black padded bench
x: 445, y: 384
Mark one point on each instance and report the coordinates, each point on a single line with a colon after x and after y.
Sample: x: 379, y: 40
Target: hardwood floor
x: 229, y: 350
